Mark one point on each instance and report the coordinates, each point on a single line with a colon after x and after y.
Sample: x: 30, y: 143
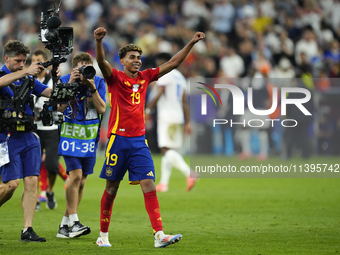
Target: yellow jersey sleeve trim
x: 110, y: 100
x: 116, y: 123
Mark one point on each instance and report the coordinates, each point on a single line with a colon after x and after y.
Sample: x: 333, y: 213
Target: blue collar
x: 5, y: 69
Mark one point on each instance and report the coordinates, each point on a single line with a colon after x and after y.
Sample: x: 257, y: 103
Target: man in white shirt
x: 307, y: 45
x: 49, y: 135
x: 172, y: 114
x: 232, y: 64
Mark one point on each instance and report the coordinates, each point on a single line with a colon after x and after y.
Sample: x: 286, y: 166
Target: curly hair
x: 82, y: 57
x: 127, y: 48
x: 14, y: 48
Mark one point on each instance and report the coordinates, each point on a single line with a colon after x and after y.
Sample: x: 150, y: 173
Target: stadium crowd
x: 278, y: 39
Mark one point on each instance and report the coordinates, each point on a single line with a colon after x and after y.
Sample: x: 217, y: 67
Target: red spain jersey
x: 127, y: 100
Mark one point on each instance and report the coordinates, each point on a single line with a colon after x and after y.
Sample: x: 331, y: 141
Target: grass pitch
x: 219, y: 216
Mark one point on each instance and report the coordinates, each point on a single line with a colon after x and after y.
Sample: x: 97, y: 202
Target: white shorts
x: 170, y: 135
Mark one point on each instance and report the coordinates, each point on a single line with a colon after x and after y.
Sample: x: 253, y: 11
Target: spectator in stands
x: 222, y: 16
x: 307, y: 45
x: 232, y: 64
x: 332, y: 55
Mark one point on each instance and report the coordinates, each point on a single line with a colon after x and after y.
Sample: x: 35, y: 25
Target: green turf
x: 219, y: 216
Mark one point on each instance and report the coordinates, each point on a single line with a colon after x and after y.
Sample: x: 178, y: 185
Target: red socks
x: 105, y: 211
x: 43, y: 182
x: 152, y: 207
x: 43, y: 177
x: 62, y: 172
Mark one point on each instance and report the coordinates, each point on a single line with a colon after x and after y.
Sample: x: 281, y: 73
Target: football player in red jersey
x: 127, y: 148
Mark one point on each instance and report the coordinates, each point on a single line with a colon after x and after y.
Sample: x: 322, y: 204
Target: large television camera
x: 59, y: 41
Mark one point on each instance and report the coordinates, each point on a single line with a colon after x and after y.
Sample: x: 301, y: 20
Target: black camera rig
x: 58, y: 40
x: 62, y: 94
x: 13, y: 114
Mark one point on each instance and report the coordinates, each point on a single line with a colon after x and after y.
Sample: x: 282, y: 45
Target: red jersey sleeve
x: 151, y: 74
x: 110, y: 80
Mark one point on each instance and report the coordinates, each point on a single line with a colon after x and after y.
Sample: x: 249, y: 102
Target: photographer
x: 23, y: 144
x: 79, y: 137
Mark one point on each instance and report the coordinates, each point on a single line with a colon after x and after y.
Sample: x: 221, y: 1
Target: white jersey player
x: 172, y: 116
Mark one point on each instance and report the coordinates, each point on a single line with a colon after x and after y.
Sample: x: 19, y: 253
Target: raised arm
x: 104, y: 66
x: 176, y: 60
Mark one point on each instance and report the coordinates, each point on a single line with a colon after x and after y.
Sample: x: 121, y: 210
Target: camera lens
x: 87, y: 71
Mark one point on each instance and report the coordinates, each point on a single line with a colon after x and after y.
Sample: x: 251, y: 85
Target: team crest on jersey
x: 135, y: 87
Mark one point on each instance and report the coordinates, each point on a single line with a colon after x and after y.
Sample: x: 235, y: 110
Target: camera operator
x: 79, y: 136
x: 23, y: 146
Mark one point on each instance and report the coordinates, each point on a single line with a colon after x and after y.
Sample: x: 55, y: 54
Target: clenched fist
x: 99, y: 33
x: 197, y: 37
